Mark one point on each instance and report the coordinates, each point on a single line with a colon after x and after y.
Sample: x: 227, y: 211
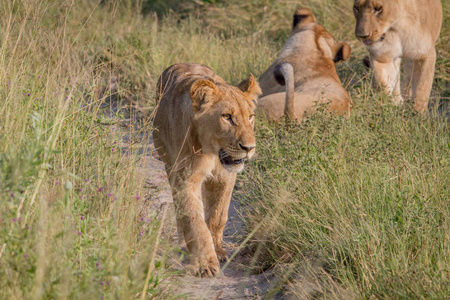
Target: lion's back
x: 173, y: 116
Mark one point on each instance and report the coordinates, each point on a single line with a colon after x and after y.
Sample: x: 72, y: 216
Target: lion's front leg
x: 422, y: 81
x: 191, y: 220
x: 387, y: 75
x: 217, y: 195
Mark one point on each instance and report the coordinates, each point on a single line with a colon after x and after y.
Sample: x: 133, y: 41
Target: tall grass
x: 70, y: 197
x: 366, y: 199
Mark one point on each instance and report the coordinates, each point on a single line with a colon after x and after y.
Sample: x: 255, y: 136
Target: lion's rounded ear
x: 302, y: 16
x: 203, y: 92
x: 342, y: 52
x: 250, y: 88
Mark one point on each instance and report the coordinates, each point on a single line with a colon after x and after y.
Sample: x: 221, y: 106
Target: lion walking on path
x: 203, y: 132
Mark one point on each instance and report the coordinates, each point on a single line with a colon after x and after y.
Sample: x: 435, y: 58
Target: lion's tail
x: 284, y: 75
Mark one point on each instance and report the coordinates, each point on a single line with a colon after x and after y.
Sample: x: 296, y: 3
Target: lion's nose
x: 247, y: 148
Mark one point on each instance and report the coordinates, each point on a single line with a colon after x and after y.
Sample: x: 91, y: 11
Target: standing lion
x: 203, y: 132
x: 396, y: 29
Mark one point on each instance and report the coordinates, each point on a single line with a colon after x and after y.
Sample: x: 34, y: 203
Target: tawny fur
x: 198, y: 115
x: 393, y: 30
x: 311, y: 53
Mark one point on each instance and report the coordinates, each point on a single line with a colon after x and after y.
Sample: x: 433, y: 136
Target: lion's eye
x: 356, y: 8
x: 228, y: 118
x: 378, y: 10
x: 250, y: 118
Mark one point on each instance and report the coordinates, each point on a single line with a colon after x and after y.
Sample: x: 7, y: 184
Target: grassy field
x: 363, y: 201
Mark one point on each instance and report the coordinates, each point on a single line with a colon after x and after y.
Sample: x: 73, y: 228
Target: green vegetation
x: 364, y: 198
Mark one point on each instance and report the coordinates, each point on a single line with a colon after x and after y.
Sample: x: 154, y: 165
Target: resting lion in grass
x: 203, y: 132
x: 396, y: 29
x: 304, y: 73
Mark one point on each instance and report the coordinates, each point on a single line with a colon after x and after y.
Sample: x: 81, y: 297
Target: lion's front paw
x: 204, y: 266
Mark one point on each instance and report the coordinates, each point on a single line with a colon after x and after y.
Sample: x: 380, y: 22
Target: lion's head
x: 225, y: 118
x: 374, y: 18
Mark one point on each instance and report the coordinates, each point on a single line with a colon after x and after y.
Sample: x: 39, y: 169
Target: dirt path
x: 236, y: 282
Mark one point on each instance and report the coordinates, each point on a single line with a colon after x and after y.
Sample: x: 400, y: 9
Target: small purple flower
x: 108, y: 283
x: 82, y: 218
x: 100, y: 189
x: 39, y: 76
x: 112, y: 150
x: 14, y: 220
x: 115, y: 142
x: 109, y: 194
x: 142, y: 219
x: 56, y: 182
x: 79, y: 232
x: 12, y: 195
x: 25, y: 256
x: 29, y: 94
x: 21, y: 191
x: 20, y: 219
x: 81, y: 190
x: 99, y: 267
x: 141, y: 234
x: 138, y: 197
x: 101, y: 298
x: 81, y: 197
x: 102, y: 283
x: 86, y: 180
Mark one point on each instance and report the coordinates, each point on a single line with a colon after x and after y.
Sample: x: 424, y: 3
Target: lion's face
x: 373, y: 19
x: 225, y: 120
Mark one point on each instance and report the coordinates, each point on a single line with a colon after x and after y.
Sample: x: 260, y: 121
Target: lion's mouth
x: 226, y: 159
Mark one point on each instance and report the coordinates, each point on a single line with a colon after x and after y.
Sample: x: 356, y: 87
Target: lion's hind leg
x: 407, y: 78
x: 422, y: 81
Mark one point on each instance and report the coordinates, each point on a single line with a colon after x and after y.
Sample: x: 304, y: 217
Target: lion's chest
x: 388, y: 50
x: 402, y: 44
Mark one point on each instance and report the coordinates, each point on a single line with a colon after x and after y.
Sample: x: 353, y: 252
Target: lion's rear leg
x: 422, y: 81
x: 217, y: 197
x: 407, y: 78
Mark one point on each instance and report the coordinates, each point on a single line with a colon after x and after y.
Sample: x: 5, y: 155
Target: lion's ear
x: 302, y: 16
x: 251, y: 90
x: 203, y: 92
x: 342, y: 52
x: 325, y: 44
